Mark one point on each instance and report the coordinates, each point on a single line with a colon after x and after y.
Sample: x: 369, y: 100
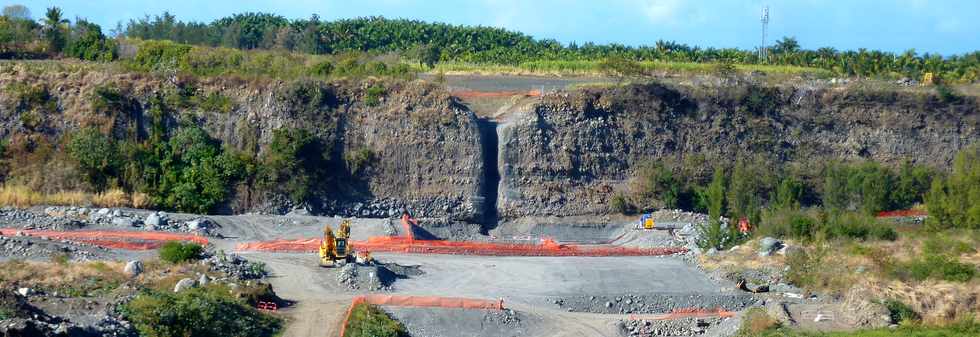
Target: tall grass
x: 22, y: 196
x: 592, y: 68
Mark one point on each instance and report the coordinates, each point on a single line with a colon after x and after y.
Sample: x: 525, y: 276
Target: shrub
x: 755, y: 322
x: 715, y: 234
x: 206, y: 311
x: 804, y: 266
x: 368, y: 321
x: 373, y: 95
x: 619, y: 204
x: 901, y: 312
x: 942, y: 267
x: 324, y: 69
x: 95, y: 154
x: 954, y: 202
x: 216, y: 102
x: 176, y: 251
x: 657, y: 187
x: 359, y: 160
x: 295, y: 164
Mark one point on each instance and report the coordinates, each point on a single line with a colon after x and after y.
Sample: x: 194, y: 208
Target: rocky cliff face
x: 568, y: 154
x: 425, y: 146
x: 565, y: 154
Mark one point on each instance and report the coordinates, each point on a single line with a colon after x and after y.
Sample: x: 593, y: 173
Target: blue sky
x: 936, y: 26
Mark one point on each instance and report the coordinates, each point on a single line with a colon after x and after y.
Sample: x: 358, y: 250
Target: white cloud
x: 661, y: 11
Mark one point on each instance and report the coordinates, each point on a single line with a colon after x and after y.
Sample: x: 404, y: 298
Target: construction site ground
x: 542, y: 295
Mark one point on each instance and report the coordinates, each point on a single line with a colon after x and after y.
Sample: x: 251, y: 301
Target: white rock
x: 25, y: 291
x: 154, y: 220
x: 185, y: 283
x: 103, y: 211
x: 133, y: 268
x: 204, y: 280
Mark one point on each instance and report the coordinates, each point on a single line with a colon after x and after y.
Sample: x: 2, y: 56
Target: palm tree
x: 53, y: 29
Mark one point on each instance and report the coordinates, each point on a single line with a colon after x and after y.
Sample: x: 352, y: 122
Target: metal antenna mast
x: 763, y: 51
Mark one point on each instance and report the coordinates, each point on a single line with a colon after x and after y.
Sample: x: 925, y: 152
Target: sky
x: 935, y: 26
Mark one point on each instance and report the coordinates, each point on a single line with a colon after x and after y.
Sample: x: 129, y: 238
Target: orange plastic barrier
x: 904, y: 212
x: 419, y: 301
x: 406, y: 245
x: 112, y: 239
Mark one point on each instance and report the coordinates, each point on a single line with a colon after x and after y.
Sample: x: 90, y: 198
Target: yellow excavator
x: 334, y: 250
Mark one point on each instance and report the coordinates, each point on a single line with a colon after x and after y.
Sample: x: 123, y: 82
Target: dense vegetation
x: 367, y: 320
x: 429, y: 43
x: 423, y: 41
x: 177, y: 252
x: 22, y: 37
x: 206, y: 311
x: 838, y: 199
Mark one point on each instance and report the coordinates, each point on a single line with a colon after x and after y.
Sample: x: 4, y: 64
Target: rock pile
x: 53, y: 220
x: 235, y: 266
x: 676, y: 327
x: 43, y: 248
x: 653, y: 303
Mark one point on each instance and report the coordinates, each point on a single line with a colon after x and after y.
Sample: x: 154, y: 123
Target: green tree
x: 17, y: 12
x: 295, y: 163
x: 715, y: 234
x: 788, y: 194
x: 954, y: 202
x: 95, y: 154
x: 429, y: 55
x: 54, y: 29
x: 786, y: 45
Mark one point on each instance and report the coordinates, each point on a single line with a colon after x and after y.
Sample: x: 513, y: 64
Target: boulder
x: 204, y: 280
x: 183, y: 284
x: 155, y: 220
x: 768, y: 245
x: 25, y: 291
x: 133, y: 268
x: 123, y: 222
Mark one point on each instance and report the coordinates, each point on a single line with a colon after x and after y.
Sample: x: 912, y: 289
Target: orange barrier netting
x: 686, y: 313
x: 904, y: 212
x: 406, y: 245
x: 420, y: 301
x: 112, y: 239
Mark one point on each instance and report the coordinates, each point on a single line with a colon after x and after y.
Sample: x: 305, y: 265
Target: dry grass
x: 939, y: 302
x: 77, y: 279
x: 22, y: 196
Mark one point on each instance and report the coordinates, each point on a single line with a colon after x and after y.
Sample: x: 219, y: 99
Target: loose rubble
x: 675, y: 327
x: 235, y: 266
x: 653, y: 303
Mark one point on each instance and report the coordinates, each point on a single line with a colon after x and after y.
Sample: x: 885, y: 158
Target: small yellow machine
x: 333, y: 248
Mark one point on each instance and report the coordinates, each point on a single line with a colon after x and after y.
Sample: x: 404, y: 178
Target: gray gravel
x: 652, y: 303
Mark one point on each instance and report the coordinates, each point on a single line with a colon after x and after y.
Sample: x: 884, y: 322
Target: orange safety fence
x: 406, y: 245
x: 900, y: 213
x: 420, y: 301
x: 129, y: 240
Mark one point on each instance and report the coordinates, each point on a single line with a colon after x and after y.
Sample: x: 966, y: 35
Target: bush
x: 176, y: 251
x: 373, y: 95
x: 619, y: 204
x: 206, y: 311
x: 901, y: 312
x: 368, y: 321
x: 954, y: 202
x: 295, y: 164
x: 359, y: 160
x: 804, y: 266
x: 941, y: 267
x: 756, y: 321
x: 95, y: 154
